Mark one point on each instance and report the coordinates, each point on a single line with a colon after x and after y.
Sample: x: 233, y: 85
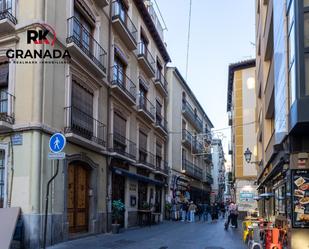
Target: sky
x: 222, y: 32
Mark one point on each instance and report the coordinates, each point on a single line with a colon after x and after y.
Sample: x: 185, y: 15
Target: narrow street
x: 169, y: 235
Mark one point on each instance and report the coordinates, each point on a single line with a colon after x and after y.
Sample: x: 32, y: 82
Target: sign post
x: 57, y: 143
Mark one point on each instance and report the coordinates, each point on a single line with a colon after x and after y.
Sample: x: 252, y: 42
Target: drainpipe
x: 37, y: 91
x: 108, y: 158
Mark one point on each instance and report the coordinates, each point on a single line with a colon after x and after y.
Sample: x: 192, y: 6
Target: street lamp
x: 248, y: 155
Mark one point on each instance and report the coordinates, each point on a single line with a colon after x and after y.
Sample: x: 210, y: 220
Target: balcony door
x: 142, y: 147
x: 158, y: 111
x: 82, y: 111
x: 158, y: 155
x: 142, y: 97
x: 82, y: 30
x: 5, y: 5
x: 4, y: 82
x: 121, y: 10
x: 119, y: 137
x: 119, y: 71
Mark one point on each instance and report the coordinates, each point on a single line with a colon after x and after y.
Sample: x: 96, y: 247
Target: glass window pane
x: 306, y: 3
x: 306, y: 29
x: 291, y: 45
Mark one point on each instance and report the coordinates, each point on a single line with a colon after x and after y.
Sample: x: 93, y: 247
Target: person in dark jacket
x: 214, y: 212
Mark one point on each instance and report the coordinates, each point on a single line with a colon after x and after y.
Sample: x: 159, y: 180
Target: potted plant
x: 168, y: 207
x: 118, y: 209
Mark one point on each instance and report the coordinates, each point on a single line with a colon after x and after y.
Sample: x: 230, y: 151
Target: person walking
x: 192, y: 210
x: 232, y: 215
x: 222, y: 209
x: 214, y: 212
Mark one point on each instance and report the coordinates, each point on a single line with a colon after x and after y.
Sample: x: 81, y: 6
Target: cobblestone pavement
x: 169, y: 235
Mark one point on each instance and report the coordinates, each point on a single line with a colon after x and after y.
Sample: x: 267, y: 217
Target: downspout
x: 108, y: 158
x: 38, y: 71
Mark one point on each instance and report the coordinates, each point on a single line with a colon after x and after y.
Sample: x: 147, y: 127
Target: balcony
x: 7, y: 17
x: 208, y: 158
x: 146, y: 60
x: 189, y: 113
x: 161, y: 83
x: 85, y: 48
x: 102, y: 3
x: 123, y: 86
x: 190, y: 142
x: 162, y: 167
x: 146, y: 159
x: 146, y: 109
x: 192, y: 170
x: 121, y: 147
x: 7, y: 117
x: 83, y: 129
x: 161, y: 125
x: 208, y: 178
x: 124, y: 26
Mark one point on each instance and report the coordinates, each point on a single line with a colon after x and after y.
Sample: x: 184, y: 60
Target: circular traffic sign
x: 57, y: 142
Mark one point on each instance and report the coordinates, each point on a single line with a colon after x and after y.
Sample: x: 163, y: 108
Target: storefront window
x: 280, y: 204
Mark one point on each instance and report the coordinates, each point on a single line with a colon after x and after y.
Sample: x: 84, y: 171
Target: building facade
x: 218, y: 171
x: 190, y: 149
x: 241, y: 103
x: 108, y: 99
x: 282, y: 103
x: 137, y: 113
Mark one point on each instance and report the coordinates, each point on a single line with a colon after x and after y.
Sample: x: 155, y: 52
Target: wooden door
x: 78, y: 204
x: 118, y: 187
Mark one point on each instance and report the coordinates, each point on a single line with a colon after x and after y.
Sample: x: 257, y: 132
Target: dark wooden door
x: 78, y: 203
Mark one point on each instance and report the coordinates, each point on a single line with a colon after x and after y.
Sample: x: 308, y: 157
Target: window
x: 82, y: 110
x: 4, y: 80
x: 144, y: 44
x: 158, y: 155
x: 119, y: 71
x: 82, y: 29
x: 5, y: 5
x: 119, y: 133
x: 142, y: 97
x: 142, y: 147
x: 184, y: 154
x: 159, y: 70
x: 2, y: 179
x: 121, y: 10
x: 158, y: 110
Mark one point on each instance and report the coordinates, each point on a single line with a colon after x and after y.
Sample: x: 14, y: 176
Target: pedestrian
x: 199, y: 210
x: 192, y: 210
x: 214, y: 212
x: 183, y: 212
x: 222, y: 207
x: 232, y: 215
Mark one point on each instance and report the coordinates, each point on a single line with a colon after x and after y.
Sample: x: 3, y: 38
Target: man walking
x: 232, y: 215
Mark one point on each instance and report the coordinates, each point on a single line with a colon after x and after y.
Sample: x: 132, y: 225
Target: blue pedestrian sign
x: 57, y: 143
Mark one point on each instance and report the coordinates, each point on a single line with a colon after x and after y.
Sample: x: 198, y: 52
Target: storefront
x: 141, y: 190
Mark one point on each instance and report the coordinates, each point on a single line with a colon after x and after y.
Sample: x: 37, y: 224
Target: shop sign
x: 246, y: 196
x: 132, y: 187
x: 300, y: 198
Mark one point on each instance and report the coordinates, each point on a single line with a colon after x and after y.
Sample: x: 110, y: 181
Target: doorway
x: 78, y: 198
x: 118, y: 191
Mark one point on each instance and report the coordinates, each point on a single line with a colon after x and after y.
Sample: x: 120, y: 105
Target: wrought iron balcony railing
x: 6, y: 11
x: 191, y: 169
x: 187, y: 109
x: 118, y: 13
x: 7, y: 102
x: 161, y: 122
x: 143, y: 51
x: 84, y: 125
x: 145, y: 105
x: 162, y: 166
x: 80, y: 36
x: 161, y: 80
x: 120, y: 79
x: 147, y: 158
x: 120, y: 145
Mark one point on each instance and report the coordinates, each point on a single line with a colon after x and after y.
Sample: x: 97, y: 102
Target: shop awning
x: 127, y: 173
x: 275, y: 171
